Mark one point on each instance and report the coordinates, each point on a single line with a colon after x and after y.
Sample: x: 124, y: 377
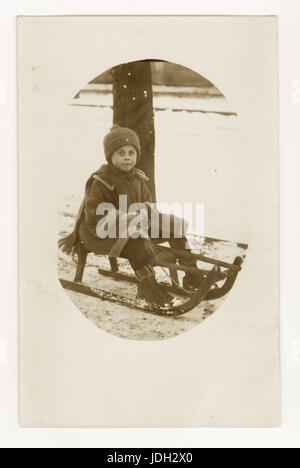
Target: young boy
x: 120, y: 177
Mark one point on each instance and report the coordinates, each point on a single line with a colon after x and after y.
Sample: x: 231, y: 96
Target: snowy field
x: 199, y: 159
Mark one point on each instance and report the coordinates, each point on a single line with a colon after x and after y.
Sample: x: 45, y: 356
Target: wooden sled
x: 214, y: 282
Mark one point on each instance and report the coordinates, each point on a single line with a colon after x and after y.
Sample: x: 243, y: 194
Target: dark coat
x: 105, y: 185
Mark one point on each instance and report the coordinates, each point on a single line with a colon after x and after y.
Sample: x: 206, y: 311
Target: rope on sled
x: 170, y: 277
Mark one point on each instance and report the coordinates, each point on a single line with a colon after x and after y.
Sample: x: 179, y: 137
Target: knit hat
x: 120, y: 136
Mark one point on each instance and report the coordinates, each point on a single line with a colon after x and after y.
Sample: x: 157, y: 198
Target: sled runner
x: 213, y: 282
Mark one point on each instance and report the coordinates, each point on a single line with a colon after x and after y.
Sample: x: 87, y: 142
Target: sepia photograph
x: 162, y: 136
x: 148, y: 221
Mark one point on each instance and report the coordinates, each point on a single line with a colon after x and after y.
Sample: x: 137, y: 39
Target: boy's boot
x: 191, y: 281
x: 148, y: 288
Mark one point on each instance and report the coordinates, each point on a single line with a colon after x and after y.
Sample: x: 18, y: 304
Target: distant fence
x: 194, y: 98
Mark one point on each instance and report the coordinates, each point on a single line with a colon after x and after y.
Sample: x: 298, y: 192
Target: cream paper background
x: 222, y: 373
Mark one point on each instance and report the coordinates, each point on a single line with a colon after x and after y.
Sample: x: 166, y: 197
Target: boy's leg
x: 177, y: 227
x: 139, y: 252
x: 171, y: 229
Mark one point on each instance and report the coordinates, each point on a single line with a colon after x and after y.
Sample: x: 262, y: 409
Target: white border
x: 287, y: 436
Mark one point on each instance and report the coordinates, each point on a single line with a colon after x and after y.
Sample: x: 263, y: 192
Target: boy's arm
x: 96, y: 195
x: 147, y: 196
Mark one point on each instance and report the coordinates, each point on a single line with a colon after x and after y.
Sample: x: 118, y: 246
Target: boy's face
x: 124, y: 158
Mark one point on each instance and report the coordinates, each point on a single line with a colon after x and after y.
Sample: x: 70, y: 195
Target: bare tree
x: 133, y: 108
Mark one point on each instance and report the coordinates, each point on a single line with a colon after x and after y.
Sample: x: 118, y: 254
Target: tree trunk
x: 133, y: 108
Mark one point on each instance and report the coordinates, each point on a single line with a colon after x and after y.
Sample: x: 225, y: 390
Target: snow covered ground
x: 199, y: 159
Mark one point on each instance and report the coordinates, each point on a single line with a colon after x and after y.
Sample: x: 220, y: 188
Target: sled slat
x: 203, y: 258
x: 136, y: 304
